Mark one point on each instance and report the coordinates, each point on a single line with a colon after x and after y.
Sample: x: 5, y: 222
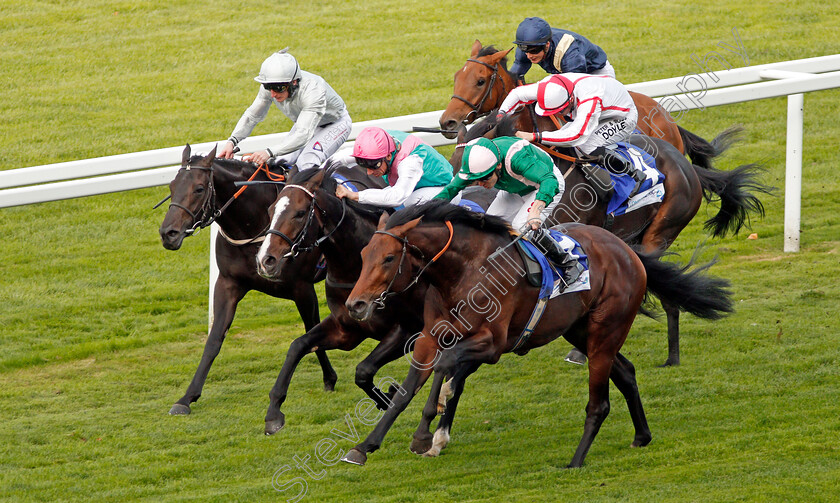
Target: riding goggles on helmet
x: 277, y: 87
x: 368, y: 163
x: 532, y: 49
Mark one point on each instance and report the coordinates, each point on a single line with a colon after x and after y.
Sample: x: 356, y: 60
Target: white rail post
x: 214, y: 272
x: 793, y: 172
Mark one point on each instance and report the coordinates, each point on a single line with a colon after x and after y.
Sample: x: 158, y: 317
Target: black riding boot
x: 561, y: 258
x: 619, y: 165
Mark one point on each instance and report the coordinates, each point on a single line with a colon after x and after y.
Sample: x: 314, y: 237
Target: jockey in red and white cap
x: 598, y: 110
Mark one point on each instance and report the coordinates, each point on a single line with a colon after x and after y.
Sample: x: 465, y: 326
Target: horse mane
x: 329, y: 185
x: 491, y: 49
x: 503, y: 127
x: 439, y: 211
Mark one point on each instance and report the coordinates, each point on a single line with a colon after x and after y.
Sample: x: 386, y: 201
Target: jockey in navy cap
x: 556, y: 51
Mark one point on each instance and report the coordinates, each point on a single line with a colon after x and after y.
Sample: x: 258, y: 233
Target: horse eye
x: 199, y: 189
x: 388, y: 259
x: 300, y: 214
x: 481, y: 82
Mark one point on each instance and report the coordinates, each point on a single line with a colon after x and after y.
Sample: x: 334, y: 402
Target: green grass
x: 101, y: 328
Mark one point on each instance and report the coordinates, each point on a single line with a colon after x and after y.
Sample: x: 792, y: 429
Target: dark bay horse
x: 307, y: 215
x: 656, y: 226
x: 200, y: 189
x: 478, y: 305
x: 484, y: 82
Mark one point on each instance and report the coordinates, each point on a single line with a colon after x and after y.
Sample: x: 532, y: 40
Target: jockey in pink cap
x: 414, y: 170
x: 599, y: 113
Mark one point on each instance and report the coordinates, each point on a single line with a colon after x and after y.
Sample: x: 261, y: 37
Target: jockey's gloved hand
x: 500, y: 116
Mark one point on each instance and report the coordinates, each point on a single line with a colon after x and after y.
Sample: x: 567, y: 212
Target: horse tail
x: 693, y: 291
x: 703, y: 152
x: 737, y: 191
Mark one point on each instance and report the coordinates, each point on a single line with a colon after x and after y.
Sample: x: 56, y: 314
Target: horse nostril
x: 172, y: 234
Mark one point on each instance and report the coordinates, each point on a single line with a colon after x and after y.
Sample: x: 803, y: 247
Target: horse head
x: 193, y: 199
x: 294, y: 215
x: 480, y: 86
x: 385, y: 268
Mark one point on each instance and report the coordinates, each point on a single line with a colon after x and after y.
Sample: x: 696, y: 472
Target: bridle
x: 493, y: 78
x: 295, y: 244
x: 380, y: 301
x: 208, y: 212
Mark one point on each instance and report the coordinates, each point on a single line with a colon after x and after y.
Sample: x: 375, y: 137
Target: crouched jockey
x: 530, y: 187
x: 598, y: 111
x: 414, y: 170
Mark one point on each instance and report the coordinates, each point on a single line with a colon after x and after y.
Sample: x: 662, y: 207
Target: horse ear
x: 383, y: 219
x: 475, y: 48
x: 402, y: 230
x: 462, y: 133
x: 495, y: 58
x: 317, y: 179
x: 212, y: 154
x: 185, y: 157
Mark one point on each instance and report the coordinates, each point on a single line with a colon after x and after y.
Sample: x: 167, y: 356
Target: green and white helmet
x: 479, y: 160
x: 279, y: 68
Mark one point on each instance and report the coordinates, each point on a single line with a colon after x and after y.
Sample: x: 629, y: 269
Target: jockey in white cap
x: 321, y: 121
x: 599, y: 113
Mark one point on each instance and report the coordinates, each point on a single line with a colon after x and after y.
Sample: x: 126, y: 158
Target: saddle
x: 533, y: 272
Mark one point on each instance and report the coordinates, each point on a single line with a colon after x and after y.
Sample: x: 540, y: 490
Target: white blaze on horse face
x: 278, y: 210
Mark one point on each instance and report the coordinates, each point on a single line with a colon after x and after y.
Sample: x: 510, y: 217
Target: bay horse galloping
x: 203, y: 191
x: 478, y: 306
x: 656, y: 226
x: 484, y: 82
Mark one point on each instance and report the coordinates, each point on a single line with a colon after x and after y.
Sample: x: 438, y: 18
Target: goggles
x: 277, y: 87
x: 369, y: 163
x: 532, y: 49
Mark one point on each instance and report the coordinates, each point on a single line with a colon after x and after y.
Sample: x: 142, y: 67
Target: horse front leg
x: 425, y: 356
x: 306, y: 302
x: 442, y: 433
x: 389, y: 349
x: 226, y: 296
x: 323, y: 336
x: 422, y: 439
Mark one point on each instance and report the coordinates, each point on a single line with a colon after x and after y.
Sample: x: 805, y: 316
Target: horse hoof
x: 421, y: 445
x: 355, y: 457
x: 670, y: 363
x: 275, y: 425
x: 576, y: 357
x: 329, y: 386
x: 441, y: 408
x: 180, y: 409
x: 641, y: 442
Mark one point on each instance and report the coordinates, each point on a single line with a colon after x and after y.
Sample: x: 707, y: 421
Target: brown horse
x: 203, y: 191
x: 478, y: 306
x: 484, y: 82
x: 656, y: 226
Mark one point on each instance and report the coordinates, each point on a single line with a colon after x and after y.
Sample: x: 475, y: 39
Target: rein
x: 295, y: 244
x: 493, y: 78
x: 207, y: 213
x: 380, y: 301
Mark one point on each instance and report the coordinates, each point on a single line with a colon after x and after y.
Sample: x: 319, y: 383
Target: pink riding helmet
x: 373, y: 143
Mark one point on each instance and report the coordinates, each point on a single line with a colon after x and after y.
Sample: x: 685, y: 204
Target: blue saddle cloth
x: 549, y: 275
x: 624, y: 183
x: 470, y: 205
x: 344, y: 181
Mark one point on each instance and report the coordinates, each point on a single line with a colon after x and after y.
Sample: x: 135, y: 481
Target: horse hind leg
x: 422, y: 439
x: 624, y: 376
x: 598, y: 406
x: 672, y: 314
x: 444, y: 428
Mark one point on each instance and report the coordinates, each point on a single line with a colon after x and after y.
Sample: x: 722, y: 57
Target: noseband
x: 493, y: 78
x: 380, y: 301
x: 207, y: 212
x: 295, y: 244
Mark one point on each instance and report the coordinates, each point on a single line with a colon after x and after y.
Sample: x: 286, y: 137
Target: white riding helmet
x: 279, y: 68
